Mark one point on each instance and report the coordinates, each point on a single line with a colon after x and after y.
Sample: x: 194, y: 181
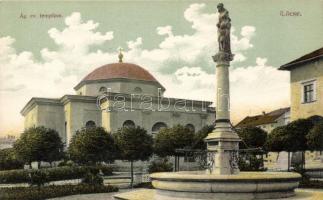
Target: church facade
x: 113, y: 96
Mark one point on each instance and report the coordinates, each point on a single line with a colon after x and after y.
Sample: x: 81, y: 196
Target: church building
x: 116, y: 95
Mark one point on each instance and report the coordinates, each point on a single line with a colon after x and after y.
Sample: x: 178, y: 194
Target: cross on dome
x: 120, y: 56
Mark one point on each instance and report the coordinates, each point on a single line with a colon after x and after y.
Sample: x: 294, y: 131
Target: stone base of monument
x: 202, y: 186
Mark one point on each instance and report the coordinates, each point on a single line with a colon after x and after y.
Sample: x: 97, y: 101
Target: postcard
x: 134, y: 87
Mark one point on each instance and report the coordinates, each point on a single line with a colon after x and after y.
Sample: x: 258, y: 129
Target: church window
x: 103, y: 90
x: 138, y: 90
x: 157, y: 127
x: 190, y: 127
x: 90, y: 124
x: 129, y: 124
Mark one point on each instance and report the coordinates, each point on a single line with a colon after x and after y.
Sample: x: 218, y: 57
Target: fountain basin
x: 245, y: 185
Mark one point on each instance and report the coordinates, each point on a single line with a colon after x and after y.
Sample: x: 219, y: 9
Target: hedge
x: 52, y: 191
x: 160, y: 166
x: 53, y: 174
x: 313, y: 184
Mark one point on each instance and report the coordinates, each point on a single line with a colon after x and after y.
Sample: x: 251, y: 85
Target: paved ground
x: 302, y: 194
x: 101, y: 196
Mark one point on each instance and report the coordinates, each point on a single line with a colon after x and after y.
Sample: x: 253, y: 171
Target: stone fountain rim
x: 198, y: 176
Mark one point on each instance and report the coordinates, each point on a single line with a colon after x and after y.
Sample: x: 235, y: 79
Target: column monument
x: 224, y: 181
x: 223, y: 141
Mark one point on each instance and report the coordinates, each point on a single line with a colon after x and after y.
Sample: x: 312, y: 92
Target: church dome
x: 120, y: 70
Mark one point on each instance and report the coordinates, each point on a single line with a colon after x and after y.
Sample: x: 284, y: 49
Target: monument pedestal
x: 224, y: 142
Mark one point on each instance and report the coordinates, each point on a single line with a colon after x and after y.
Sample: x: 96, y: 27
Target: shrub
x: 52, y: 191
x: 8, y: 160
x: 107, y: 171
x: 53, y: 174
x: 67, y: 163
x: 160, y: 166
x: 250, y: 163
x: 38, y: 177
x: 14, y: 176
x: 92, y: 179
x: 147, y: 185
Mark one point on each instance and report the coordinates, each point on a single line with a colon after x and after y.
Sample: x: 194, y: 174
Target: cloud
x: 165, y: 30
x: 181, y: 62
x: 254, y: 88
x: 248, y: 31
x: 196, y: 49
x: 261, y: 61
x: 14, y: 88
x: 258, y: 88
x: 79, y: 35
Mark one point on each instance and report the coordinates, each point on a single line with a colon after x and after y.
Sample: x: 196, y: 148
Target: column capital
x: 223, y: 58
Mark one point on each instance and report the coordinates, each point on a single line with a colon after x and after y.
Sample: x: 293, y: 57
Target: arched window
x: 190, y: 127
x: 138, y: 90
x: 103, y: 90
x: 90, y: 124
x: 157, y: 126
x: 129, y: 124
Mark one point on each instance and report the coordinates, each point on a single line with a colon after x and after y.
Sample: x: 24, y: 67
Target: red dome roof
x: 119, y: 70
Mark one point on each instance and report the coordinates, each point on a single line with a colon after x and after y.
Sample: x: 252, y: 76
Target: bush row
x: 53, y: 174
x: 316, y: 184
x: 52, y: 191
x: 160, y: 166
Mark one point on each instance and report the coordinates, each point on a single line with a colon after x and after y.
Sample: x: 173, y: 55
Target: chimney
x: 263, y: 112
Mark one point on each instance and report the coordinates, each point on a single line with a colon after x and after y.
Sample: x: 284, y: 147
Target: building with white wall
x: 306, y: 85
x: 113, y: 96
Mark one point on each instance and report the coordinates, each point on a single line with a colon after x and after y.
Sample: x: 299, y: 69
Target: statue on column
x: 224, y: 26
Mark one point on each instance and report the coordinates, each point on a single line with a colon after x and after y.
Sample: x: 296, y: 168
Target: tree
x: 290, y: 138
x: 39, y: 144
x: 168, y: 140
x: 315, y: 137
x: 315, y: 119
x: 279, y: 140
x: 91, y: 145
x: 298, y: 130
x: 9, y: 160
x: 134, y: 143
x: 199, y: 142
x: 252, y: 137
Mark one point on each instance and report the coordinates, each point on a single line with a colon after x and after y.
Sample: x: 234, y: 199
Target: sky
x: 174, y: 40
